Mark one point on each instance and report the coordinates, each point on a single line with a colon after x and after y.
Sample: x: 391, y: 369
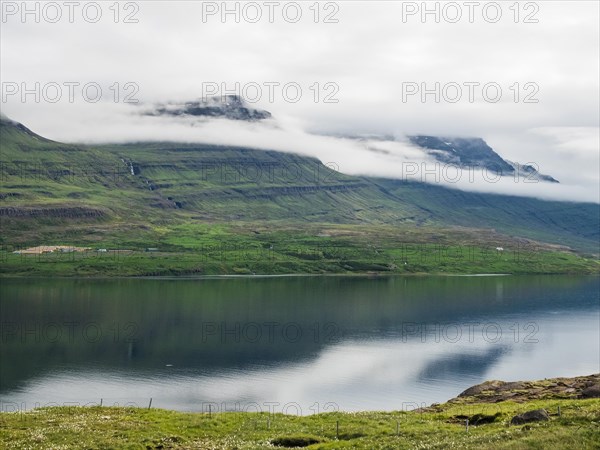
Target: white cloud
x: 369, y: 54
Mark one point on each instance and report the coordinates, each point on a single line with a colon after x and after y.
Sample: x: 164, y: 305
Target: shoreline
x: 577, y: 387
x: 473, y: 420
x: 290, y: 275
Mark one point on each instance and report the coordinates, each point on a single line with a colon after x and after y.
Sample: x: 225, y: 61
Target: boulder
x: 514, y: 385
x: 592, y: 391
x: 479, y: 388
x: 530, y: 416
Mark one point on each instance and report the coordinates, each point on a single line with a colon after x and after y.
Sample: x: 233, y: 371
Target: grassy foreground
x: 439, y: 427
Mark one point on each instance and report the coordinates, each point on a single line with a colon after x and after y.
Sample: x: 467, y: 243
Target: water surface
x: 295, y: 345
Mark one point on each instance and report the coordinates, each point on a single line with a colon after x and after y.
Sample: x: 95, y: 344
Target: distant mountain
x: 459, y: 151
x: 231, y: 107
x: 10, y: 126
x: 475, y: 152
x: 92, y: 192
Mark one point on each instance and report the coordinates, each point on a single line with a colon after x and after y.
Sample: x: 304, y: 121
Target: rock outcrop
x: 231, y: 107
x: 522, y: 391
x: 536, y: 415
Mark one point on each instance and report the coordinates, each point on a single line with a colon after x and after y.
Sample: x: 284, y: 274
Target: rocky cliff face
x: 230, y: 107
x: 471, y: 152
x: 475, y: 152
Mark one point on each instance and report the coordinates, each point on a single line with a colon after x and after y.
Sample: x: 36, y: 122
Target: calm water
x: 295, y: 345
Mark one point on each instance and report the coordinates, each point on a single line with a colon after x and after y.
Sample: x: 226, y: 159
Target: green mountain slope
x: 180, y: 197
x: 572, y: 224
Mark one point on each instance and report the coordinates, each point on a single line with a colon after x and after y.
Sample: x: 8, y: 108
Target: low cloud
x: 391, y: 157
x: 370, y: 54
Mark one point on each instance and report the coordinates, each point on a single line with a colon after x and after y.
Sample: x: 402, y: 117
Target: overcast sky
x: 373, y: 54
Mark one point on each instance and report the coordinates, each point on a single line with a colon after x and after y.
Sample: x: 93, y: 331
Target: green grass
x: 440, y: 427
x: 245, y: 249
x: 218, y: 210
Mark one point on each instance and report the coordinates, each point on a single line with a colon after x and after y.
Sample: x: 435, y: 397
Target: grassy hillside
x: 442, y: 427
x: 572, y: 224
x: 206, y: 208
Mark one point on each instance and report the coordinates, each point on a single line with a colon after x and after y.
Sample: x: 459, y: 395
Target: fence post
x: 337, y: 429
x: 467, y: 425
x: 150, y: 404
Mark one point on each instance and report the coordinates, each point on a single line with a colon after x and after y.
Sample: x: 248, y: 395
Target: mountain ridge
x: 196, y: 183
x: 476, y: 153
x: 231, y: 107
